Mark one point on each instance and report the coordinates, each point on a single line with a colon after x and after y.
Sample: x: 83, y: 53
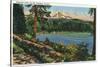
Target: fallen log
x: 43, y: 48
x: 26, y: 41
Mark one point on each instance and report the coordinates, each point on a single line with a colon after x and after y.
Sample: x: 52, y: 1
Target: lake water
x: 67, y: 39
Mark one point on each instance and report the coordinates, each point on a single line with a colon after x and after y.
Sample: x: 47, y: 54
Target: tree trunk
x: 35, y: 24
x: 42, y: 23
x: 94, y: 34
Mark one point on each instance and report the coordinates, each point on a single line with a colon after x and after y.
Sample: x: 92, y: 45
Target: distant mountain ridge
x: 66, y: 15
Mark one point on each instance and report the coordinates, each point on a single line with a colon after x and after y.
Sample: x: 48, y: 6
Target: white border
x: 5, y: 33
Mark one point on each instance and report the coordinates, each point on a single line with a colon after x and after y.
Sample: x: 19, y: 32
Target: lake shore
x: 66, y: 33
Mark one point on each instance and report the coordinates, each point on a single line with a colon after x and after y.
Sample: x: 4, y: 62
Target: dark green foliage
x: 92, y: 11
x: 91, y: 58
x: 76, y: 53
x: 19, y: 26
x: 72, y: 52
x: 29, y: 25
x: 17, y: 49
x: 67, y: 25
x: 82, y: 52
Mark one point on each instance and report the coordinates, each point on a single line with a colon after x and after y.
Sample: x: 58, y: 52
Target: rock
x: 24, y: 62
x: 32, y: 61
x: 14, y: 58
x: 17, y: 61
x: 24, y: 59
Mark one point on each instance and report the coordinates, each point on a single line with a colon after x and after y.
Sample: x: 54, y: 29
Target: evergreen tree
x: 19, y: 26
x: 92, y: 12
x: 39, y: 11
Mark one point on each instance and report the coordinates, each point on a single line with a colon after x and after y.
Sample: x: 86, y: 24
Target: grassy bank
x: 67, y: 34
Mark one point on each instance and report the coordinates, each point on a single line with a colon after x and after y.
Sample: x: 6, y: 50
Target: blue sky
x: 75, y: 10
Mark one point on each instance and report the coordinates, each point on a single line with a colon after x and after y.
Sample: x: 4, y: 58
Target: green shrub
x: 17, y: 49
x: 76, y: 52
